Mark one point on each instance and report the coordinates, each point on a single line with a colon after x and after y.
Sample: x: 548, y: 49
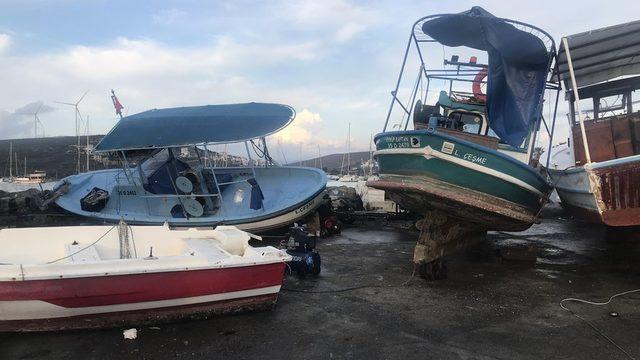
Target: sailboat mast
x: 349, y: 150
x: 10, y: 160
x: 77, y: 142
x: 86, y: 130
x: 370, y: 155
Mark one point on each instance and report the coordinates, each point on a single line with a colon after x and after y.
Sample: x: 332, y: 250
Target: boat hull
x: 606, y: 193
x: 290, y: 194
x: 135, y: 299
x: 425, y: 170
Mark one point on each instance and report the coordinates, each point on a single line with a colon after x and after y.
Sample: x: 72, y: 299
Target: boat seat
x: 205, y: 248
x: 210, y: 181
x: 77, y: 254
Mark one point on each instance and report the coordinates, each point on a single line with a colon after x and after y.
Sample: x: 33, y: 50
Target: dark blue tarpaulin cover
x: 517, y: 70
x: 175, y: 127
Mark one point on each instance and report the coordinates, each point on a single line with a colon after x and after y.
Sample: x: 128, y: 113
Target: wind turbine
x: 78, y: 116
x: 36, y: 121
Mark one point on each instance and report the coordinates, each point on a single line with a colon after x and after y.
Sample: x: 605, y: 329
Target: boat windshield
x: 154, y: 162
x: 467, y: 122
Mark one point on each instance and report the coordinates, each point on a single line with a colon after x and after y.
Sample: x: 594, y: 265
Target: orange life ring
x: 477, y: 83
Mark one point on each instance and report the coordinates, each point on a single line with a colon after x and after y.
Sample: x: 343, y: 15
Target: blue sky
x: 335, y: 61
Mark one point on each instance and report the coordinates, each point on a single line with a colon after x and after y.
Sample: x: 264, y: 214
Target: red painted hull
x: 107, y: 298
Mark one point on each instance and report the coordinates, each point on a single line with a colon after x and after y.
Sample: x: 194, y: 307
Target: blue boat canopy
x: 518, y: 66
x: 194, y: 125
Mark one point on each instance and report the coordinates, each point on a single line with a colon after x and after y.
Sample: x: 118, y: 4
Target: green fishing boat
x: 469, y: 164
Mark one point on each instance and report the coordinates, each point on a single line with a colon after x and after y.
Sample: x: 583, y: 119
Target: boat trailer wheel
x: 433, y: 270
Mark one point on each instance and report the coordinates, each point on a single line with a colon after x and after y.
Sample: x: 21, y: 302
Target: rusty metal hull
x: 486, y: 212
x: 607, y: 192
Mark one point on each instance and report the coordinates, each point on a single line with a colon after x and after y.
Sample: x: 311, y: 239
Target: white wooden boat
x: 60, y: 278
x: 602, y: 185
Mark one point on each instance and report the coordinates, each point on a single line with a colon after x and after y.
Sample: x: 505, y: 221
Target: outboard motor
x: 301, y: 246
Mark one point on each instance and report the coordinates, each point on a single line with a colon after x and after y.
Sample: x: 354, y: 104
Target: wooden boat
x: 162, y: 187
x: 60, y: 278
x: 468, y: 163
x: 602, y: 182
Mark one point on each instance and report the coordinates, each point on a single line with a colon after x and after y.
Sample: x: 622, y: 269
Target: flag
x: 116, y: 103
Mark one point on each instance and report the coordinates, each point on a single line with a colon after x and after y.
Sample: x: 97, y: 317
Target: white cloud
x: 146, y: 74
x: 339, y: 17
x: 5, y: 42
x: 302, y: 129
x: 169, y: 16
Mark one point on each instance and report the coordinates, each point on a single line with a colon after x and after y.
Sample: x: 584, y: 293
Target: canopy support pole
x: 576, y: 100
x: 267, y: 157
x: 393, y: 93
x: 555, y: 113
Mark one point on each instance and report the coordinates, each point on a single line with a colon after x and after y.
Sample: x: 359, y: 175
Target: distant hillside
x: 58, y: 156
x: 55, y: 155
x: 333, y: 162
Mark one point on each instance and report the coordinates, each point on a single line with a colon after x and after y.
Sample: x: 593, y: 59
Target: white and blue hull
x: 290, y: 194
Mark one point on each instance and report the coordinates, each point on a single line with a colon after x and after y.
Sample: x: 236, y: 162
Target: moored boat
x: 155, y: 185
x: 103, y: 276
x: 601, y: 184
x: 468, y: 163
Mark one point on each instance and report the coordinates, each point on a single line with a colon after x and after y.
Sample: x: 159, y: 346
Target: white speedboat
x: 102, y: 276
x: 162, y: 187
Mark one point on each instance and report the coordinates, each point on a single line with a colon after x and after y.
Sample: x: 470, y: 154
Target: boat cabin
x: 463, y: 114
x: 602, y: 67
x: 613, y: 127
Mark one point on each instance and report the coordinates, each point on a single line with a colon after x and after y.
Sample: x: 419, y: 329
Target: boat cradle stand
x: 441, y: 235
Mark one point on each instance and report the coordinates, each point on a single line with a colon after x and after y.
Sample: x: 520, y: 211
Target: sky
x: 334, y: 61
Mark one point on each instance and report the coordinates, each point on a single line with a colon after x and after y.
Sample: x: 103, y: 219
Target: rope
x: 591, y: 325
x: 123, y: 236
x: 84, y: 248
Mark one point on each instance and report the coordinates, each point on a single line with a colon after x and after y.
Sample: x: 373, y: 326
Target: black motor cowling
x: 301, y: 246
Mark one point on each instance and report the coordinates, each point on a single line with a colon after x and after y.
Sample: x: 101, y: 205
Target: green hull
x: 425, y: 170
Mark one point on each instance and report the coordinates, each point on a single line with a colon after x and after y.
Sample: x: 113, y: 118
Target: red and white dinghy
x: 100, y: 276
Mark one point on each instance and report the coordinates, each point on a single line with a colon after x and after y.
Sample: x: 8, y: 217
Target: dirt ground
x: 501, y: 301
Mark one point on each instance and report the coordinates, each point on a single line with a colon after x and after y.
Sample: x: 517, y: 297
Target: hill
x: 55, y: 155
x: 332, y: 163
x: 58, y: 156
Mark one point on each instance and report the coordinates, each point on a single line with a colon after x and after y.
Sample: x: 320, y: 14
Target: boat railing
x: 419, y: 89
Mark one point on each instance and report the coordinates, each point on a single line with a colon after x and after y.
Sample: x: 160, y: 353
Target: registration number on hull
x: 399, y: 142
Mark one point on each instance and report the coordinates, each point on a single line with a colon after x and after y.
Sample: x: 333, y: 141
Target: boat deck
x: 500, y: 302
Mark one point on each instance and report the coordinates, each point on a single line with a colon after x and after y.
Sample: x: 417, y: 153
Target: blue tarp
x: 518, y: 62
x: 184, y: 126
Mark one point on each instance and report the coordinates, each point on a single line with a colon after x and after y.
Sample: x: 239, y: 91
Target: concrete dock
x: 501, y: 301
